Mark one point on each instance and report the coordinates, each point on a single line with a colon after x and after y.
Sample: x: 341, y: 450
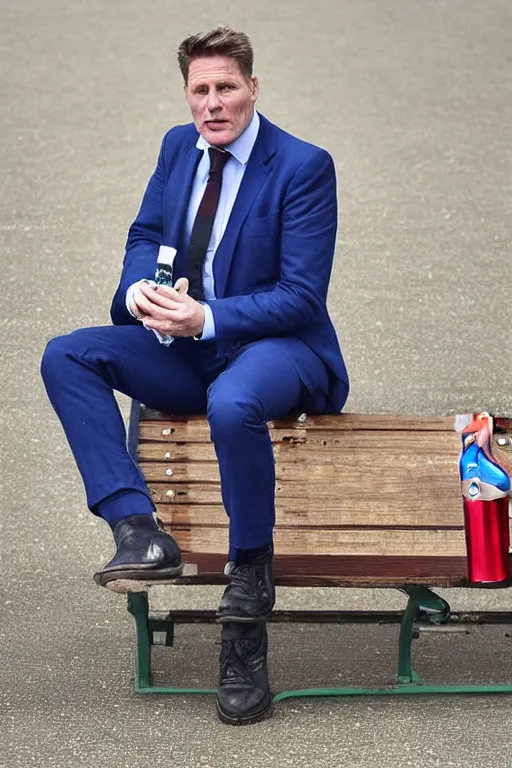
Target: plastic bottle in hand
x: 164, y: 276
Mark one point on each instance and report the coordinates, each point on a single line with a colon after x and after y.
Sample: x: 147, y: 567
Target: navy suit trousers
x: 239, y: 394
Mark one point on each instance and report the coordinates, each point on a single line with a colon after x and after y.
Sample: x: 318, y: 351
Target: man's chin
x: 218, y: 135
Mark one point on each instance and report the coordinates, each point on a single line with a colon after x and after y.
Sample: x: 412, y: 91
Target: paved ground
x: 414, y: 101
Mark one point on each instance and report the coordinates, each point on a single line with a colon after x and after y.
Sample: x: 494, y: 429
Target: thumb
x: 181, y: 285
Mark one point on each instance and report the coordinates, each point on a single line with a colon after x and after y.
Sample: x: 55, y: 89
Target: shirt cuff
x: 165, y: 340
x: 209, y: 324
x: 129, y: 297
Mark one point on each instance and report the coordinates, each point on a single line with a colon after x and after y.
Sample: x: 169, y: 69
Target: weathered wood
x: 343, y: 421
x: 408, y: 474
x: 360, y: 499
x: 332, y: 513
x: 346, y: 570
x: 440, y: 501
x: 362, y: 541
x: 323, y: 447
x: 195, y: 431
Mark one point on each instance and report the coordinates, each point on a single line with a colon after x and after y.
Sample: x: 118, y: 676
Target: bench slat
x: 320, y: 447
x: 345, y: 571
x: 362, y: 541
x: 338, y: 421
x: 334, y: 512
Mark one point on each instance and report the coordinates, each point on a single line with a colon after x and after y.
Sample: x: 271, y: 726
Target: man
x: 252, y: 214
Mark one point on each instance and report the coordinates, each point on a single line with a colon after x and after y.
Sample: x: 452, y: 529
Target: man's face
x: 220, y: 98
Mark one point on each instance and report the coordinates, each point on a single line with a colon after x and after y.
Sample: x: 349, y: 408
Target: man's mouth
x: 216, y: 123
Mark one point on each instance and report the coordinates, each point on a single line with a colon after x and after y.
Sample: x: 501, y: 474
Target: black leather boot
x: 144, y: 551
x: 243, y: 695
x: 250, y: 594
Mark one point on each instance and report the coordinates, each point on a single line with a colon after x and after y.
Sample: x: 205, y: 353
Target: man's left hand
x: 172, y: 312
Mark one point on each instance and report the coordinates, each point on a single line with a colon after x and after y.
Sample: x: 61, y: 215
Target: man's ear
x: 255, y: 87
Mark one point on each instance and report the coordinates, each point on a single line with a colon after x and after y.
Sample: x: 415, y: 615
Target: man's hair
x: 221, y: 41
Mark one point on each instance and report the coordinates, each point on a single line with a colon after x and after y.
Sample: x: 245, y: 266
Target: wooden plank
x: 335, y: 542
x: 190, y: 493
x: 344, y: 421
x: 406, y: 487
x: 323, y: 447
x: 345, y: 571
x: 183, y: 472
x: 325, y: 515
x: 381, y: 471
x: 176, y: 452
x: 359, y: 421
x: 194, y: 431
x: 322, y: 571
x: 324, y: 503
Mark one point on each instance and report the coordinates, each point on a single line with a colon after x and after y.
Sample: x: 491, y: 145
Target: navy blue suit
x: 275, y: 348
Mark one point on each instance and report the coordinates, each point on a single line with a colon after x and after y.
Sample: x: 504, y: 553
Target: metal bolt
x: 168, y: 455
x: 168, y: 472
x: 302, y: 418
x: 502, y: 441
x: 166, y: 431
x: 170, y: 494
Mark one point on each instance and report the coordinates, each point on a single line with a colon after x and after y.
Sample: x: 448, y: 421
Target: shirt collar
x: 241, y: 148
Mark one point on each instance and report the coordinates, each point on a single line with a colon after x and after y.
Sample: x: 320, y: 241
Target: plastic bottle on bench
x: 485, y: 485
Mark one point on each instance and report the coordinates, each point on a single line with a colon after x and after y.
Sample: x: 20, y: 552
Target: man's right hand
x: 138, y: 302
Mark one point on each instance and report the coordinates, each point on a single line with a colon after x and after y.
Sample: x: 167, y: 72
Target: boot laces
x: 233, y: 670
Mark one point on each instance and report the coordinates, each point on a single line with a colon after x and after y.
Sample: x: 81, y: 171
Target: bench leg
x: 406, y: 675
x: 422, y: 602
x: 145, y: 629
x: 138, y: 607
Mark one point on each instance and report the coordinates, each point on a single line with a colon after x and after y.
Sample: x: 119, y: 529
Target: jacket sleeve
x: 144, y: 239
x: 308, y: 236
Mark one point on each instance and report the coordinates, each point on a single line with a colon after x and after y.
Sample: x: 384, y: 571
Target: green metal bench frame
x: 423, y: 606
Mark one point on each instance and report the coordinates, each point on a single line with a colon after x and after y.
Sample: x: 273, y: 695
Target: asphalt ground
x: 414, y: 102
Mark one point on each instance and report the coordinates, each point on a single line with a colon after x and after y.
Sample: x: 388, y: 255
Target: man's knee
x: 54, y: 355
x: 60, y: 351
x: 232, y: 410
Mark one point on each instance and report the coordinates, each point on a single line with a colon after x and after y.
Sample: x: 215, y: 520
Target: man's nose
x: 213, y: 101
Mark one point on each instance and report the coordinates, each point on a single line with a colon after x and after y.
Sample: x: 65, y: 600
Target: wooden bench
x: 361, y: 501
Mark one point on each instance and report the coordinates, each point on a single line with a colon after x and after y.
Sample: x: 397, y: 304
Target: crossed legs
x: 81, y: 370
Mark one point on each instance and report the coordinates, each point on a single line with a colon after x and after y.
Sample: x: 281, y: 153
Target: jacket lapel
x: 255, y: 174
x: 178, y: 194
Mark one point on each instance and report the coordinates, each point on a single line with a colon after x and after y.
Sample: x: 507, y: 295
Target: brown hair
x: 221, y: 41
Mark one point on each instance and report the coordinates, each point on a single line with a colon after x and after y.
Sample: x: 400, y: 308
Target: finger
x: 144, y: 305
x: 168, y: 297
x: 165, y: 328
x: 147, y: 289
x: 182, y: 285
x: 136, y: 310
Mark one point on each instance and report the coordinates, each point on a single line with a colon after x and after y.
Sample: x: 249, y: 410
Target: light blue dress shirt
x: 232, y: 176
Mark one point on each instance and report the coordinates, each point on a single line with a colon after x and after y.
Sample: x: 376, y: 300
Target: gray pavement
x: 414, y: 101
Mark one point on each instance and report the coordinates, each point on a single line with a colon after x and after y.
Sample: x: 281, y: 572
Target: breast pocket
x: 261, y: 227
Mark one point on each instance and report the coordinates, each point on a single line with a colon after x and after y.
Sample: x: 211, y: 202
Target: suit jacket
x: 273, y: 264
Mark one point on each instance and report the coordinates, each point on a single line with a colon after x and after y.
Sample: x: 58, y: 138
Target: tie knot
x: 218, y: 159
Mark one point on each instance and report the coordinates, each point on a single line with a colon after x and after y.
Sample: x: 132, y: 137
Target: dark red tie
x: 203, y: 223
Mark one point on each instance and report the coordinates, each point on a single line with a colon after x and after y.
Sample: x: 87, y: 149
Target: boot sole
x: 137, y: 573
x: 254, y: 717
